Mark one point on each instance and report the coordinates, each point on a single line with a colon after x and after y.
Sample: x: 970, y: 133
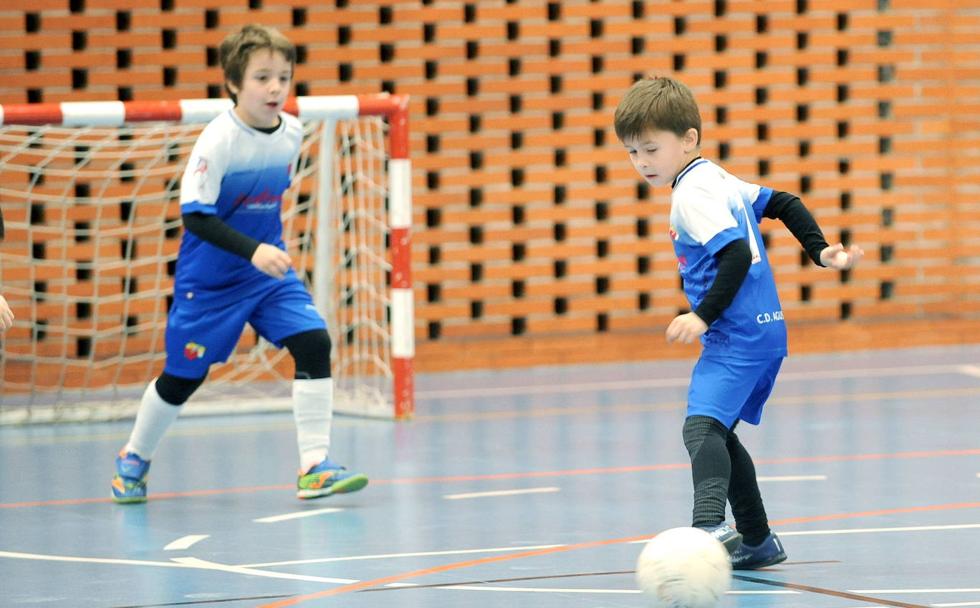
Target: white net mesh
x: 93, y: 229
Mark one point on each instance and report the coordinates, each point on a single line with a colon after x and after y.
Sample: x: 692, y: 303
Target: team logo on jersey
x: 193, y: 351
x: 673, y: 234
x: 201, y: 172
x: 202, y: 166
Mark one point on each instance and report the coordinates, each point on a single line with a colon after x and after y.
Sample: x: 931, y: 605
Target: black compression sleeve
x: 789, y: 209
x: 211, y: 229
x: 734, y: 260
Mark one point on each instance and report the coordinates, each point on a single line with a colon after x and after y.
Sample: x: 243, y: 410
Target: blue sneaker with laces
x: 328, y: 478
x: 766, y: 553
x: 726, y: 535
x: 129, y: 482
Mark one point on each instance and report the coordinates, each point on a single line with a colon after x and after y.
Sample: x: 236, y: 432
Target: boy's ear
x: 691, y: 138
x: 231, y: 86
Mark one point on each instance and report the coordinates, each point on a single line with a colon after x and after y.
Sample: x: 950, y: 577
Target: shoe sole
x: 346, y: 486
x: 128, y: 500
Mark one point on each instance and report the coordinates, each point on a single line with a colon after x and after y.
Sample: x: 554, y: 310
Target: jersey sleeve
x: 201, y: 182
x: 707, y: 220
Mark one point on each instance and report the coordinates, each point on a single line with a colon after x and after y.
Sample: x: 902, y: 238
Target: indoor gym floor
x: 529, y: 487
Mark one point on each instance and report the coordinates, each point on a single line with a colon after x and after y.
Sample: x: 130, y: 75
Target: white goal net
x: 90, y: 197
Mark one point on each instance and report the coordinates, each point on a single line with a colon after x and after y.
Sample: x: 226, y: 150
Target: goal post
x: 90, y: 194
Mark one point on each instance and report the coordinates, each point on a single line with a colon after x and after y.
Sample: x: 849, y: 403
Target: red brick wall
x: 533, y: 236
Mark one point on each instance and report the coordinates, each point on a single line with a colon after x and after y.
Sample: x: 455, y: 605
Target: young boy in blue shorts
x: 735, y: 309
x: 233, y: 269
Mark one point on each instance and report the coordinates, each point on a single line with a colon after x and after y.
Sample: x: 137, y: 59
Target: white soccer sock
x: 152, y: 421
x: 313, y: 412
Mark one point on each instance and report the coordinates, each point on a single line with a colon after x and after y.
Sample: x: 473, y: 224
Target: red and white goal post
x: 90, y: 196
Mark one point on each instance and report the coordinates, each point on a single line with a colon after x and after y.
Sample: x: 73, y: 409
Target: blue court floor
x: 515, y: 488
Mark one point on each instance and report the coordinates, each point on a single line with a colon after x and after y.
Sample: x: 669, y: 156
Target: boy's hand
x: 837, y: 257
x: 271, y: 260
x: 686, y: 328
x: 6, y: 315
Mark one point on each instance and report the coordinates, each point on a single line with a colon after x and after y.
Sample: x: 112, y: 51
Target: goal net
x: 90, y: 197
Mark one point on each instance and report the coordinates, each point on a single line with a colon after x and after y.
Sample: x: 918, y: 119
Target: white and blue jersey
x: 238, y: 174
x: 709, y: 209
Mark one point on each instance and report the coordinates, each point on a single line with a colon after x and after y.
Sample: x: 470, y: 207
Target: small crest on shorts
x: 193, y: 350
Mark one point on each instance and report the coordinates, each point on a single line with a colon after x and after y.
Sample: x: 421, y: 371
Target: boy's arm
x: 789, y: 209
x: 267, y: 258
x: 211, y: 229
x: 734, y: 260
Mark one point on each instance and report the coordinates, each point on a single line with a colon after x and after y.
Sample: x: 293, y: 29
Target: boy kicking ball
x: 735, y: 309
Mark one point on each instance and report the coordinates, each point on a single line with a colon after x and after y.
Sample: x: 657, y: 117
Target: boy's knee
x: 176, y: 390
x: 699, y: 428
x: 311, y: 353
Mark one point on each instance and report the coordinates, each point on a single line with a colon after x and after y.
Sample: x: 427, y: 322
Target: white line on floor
x: 793, y: 478
x: 502, y: 493
x: 896, y: 591
x: 185, y: 542
x: 179, y: 562
x: 862, y: 531
x: 353, y: 558
x: 206, y: 565
x: 600, y: 591
x: 296, y: 515
x: 970, y: 370
x: 88, y: 560
x: 879, y: 530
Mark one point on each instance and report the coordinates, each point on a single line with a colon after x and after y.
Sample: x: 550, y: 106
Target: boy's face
x: 265, y: 86
x: 660, y: 155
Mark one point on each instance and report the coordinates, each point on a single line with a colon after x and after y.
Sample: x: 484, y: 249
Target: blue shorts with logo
x: 729, y: 389
x: 199, y: 336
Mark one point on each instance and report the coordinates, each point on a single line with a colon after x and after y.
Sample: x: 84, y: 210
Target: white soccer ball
x: 684, y: 568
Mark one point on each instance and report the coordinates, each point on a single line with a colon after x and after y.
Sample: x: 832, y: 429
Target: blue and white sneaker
x: 766, y: 553
x: 726, y: 535
x: 129, y: 482
x: 328, y: 478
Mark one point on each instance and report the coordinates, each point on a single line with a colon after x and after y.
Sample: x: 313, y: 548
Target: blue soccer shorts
x: 731, y: 389
x: 197, y: 337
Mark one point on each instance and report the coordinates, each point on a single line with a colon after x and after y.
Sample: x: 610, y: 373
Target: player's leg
x: 704, y: 438
x: 194, y: 340
x: 158, y: 409
x: 719, y: 386
x: 287, y: 318
x: 760, y: 546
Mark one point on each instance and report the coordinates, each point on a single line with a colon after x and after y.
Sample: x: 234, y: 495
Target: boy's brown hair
x: 237, y: 48
x: 658, y: 104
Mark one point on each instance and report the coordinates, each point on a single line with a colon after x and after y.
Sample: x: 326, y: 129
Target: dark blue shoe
x: 767, y: 553
x: 726, y: 535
